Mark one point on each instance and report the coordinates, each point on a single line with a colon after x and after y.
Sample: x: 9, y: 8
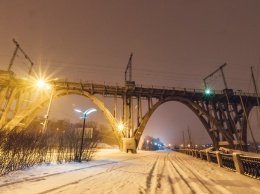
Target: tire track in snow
x: 179, y: 185
x: 53, y: 174
x: 160, y: 174
x: 150, y: 175
x: 201, y: 179
x: 184, y: 167
x: 170, y: 175
x: 157, y: 175
x: 158, y: 180
x: 85, y: 178
x: 164, y: 183
x: 80, y: 180
x: 144, y: 188
x: 182, y: 176
x: 68, y: 171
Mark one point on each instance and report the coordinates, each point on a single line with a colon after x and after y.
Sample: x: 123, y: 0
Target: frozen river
x: 145, y: 172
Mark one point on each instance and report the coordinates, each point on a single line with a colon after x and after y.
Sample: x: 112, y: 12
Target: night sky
x: 175, y: 43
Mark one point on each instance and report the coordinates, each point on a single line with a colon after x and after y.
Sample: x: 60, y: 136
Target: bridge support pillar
x: 128, y: 144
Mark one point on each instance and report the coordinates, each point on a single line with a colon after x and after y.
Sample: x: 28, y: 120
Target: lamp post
x: 41, y: 83
x: 48, y: 112
x: 87, y: 112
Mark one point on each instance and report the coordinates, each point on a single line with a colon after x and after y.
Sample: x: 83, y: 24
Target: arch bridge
x: 224, y: 115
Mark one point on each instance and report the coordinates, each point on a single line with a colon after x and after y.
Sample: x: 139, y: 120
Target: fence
x: 237, y: 162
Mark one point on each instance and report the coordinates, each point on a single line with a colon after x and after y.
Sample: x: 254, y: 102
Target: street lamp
x: 120, y: 127
x: 87, y: 112
x: 42, y: 84
x: 48, y: 110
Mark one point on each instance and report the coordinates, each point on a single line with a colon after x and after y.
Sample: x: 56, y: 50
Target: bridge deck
x: 108, y: 89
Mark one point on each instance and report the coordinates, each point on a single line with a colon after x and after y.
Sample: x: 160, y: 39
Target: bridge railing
x: 193, y: 90
x: 89, y: 82
x: 175, y: 88
x: 227, y: 161
x: 236, y: 161
x: 150, y: 86
x: 213, y: 157
x: 251, y: 166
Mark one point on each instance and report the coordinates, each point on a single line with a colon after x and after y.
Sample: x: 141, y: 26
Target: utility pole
x: 189, y: 133
x: 244, y: 110
x: 15, y: 54
x: 82, y: 136
x: 255, y: 87
x: 183, y: 139
x: 48, y: 112
x: 129, y: 68
x: 222, y: 73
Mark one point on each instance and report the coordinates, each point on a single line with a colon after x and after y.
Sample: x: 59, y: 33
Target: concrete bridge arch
x: 195, y: 108
x: 203, y: 115
x: 27, y: 115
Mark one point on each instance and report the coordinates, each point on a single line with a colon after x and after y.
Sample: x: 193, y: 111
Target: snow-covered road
x: 145, y: 172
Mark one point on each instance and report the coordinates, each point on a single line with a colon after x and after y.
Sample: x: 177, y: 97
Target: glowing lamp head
x: 208, y: 91
x: 41, y: 83
x: 120, y: 127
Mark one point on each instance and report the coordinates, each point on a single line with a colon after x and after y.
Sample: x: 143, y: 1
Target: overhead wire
x: 139, y: 73
x: 247, y: 119
x: 117, y: 70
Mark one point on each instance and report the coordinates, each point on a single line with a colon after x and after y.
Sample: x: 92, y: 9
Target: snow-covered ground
x: 145, y: 172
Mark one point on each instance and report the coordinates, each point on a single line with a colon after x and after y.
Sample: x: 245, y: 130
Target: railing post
x: 193, y: 153
x: 238, y: 163
x: 201, y: 155
x: 219, y: 159
x: 208, y: 156
x: 196, y: 153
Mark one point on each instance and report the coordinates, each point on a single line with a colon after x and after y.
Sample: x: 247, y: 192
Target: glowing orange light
x: 120, y: 127
x: 41, y: 83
